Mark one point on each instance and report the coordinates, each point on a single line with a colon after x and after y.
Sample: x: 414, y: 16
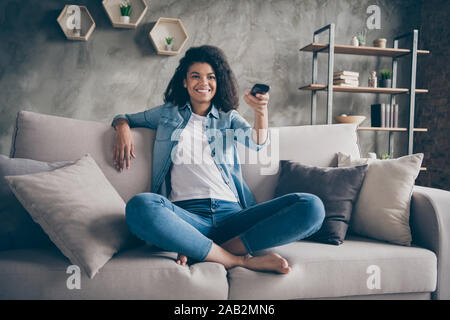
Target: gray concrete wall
x: 118, y: 71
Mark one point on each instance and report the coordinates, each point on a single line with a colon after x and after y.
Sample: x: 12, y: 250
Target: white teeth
x: 203, y: 91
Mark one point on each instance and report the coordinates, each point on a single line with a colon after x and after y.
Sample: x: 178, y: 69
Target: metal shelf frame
x: 330, y: 50
x: 412, y: 89
x: 330, y: 47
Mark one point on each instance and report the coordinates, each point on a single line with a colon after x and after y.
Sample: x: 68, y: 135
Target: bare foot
x: 269, y: 262
x: 181, y: 259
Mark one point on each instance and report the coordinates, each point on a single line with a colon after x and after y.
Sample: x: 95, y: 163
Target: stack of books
x: 384, y: 115
x: 346, y: 79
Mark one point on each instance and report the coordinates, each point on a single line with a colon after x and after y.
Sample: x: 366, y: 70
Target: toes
x: 181, y: 260
x: 286, y: 270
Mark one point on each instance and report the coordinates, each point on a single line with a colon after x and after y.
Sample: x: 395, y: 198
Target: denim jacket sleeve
x: 146, y: 119
x: 243, y: 132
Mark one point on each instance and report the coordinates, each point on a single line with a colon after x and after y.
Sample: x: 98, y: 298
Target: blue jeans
x: 190, y: 227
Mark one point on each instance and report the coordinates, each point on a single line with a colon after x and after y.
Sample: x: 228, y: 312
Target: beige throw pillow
x: 79, y: 209
x: 383, y: 206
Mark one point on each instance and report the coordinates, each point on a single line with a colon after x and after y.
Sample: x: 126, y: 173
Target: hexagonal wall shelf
x: 138, y: 10
x: 67, y: 18
x: 168, y: 27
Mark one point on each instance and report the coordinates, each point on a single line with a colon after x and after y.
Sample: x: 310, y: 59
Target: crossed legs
x: 154, y: 219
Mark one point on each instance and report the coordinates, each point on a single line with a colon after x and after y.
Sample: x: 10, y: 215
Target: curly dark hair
x: 226, y: 97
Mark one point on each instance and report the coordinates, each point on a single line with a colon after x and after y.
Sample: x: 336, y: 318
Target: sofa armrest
x: 430, y: 227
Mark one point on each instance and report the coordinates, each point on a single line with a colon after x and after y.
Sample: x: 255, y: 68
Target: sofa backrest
x: 52, y: 138
x: 310, y: 145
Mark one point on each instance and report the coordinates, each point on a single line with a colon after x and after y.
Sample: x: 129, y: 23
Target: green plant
x: 385, y: 156
x: 385, y: 74
x: 125, y: 8
x: 169, y: 40
x: 361, y: 36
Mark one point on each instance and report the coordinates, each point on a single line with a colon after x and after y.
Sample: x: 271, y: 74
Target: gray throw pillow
x: 79, y: 209
x: 17, y: 228
x: 338, y: 189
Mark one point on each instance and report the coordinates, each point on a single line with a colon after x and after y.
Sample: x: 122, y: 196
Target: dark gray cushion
x: 17, y: 228
x: 338, y: 188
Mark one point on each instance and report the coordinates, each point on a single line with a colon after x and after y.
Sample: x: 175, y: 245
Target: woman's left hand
x: 258, y: 103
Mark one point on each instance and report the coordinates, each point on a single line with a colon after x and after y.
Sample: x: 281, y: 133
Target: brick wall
x: 433, y: 109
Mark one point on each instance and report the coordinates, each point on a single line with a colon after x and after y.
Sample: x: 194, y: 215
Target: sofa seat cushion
x: 321, y: 270
x: 138, y: 273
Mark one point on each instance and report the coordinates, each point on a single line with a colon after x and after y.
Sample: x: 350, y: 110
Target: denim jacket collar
x: 214, y: 112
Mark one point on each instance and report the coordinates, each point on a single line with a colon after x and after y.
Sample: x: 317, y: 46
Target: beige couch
x: 318, y: 270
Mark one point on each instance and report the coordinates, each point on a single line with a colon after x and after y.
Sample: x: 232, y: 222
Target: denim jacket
x: 223, y: 130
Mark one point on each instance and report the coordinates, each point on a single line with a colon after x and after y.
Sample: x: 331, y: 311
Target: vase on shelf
x: 385, y: 83
x: 125, y: 19
x: 380, y: 43
x: 372, y: 79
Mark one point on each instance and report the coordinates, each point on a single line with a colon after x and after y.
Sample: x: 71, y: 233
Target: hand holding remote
x: 258, y: 98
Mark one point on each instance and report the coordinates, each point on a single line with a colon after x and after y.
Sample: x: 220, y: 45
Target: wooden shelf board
x: 364, y: 51
x: 317, y: 86
x: 391, y: 129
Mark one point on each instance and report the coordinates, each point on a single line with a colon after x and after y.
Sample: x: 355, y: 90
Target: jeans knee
x: 138, y: 205
x: 315, y: 209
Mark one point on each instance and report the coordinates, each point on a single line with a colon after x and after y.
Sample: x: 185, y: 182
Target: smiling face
x: 201, y: 84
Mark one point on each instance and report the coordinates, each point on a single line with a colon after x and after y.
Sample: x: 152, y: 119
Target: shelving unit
x: 138, y: 10
x: 395, y: 53
x: 87, y: 24
x: 168, y: 27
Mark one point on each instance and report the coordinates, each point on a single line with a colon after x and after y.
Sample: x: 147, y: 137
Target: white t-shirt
x: 194, y: 175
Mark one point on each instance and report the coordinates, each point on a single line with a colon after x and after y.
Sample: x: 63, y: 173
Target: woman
x: 200, y: 206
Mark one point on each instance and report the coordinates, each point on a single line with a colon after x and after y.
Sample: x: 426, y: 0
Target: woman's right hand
x: 123, y: 145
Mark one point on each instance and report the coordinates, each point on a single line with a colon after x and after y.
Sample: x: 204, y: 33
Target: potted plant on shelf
x: 125, y: 9
x: 169, y: 43
x: 385, y: 80
x: 361, y: 38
